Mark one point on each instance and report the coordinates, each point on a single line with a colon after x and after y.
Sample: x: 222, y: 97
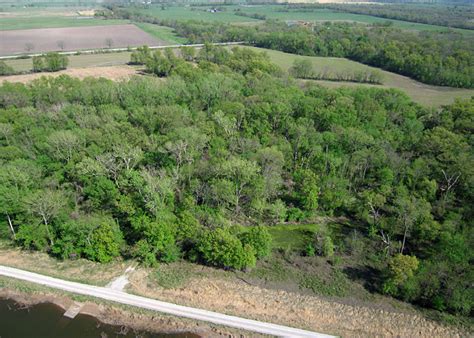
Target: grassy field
x: 188, y: 13
x: 162, y: 33
x: 13, y: 23
x: 427, y: 95
x: 79, y: 61
x: 275, y: 12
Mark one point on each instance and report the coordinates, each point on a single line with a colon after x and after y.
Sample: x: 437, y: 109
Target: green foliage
x: 221, y: 248
x: 105, y: 241
x: 6, y: 69
x: 157, y: 241
x: 302, y: 68
x: 336, y: 285
x: 160, y: 169
x: 400, y: 269
x: 258, y: 238
x: 140, y: 56
x: 50, y: 62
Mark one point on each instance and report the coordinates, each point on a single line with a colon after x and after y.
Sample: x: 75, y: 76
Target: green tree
x: 220, y: 248
x: 258, y: 238
x: 105, y: 240
x: 400, y: 269
x: 302, y: 68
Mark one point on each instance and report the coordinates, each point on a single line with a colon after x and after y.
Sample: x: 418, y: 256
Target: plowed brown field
x: 73, y: 38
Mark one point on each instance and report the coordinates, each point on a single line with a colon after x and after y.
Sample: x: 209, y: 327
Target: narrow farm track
x: 151, y: 304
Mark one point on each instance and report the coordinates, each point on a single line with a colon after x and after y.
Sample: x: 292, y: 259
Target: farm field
x: 76, y: 38
x: 162, y: 33
x: 275, y: 12
x: 14, y: 23
x: 188, y: 13
x: 427, y: 95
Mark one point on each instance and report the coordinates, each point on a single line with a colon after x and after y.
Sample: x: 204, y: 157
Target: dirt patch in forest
x: 236, y: 297
x: 111, y: 72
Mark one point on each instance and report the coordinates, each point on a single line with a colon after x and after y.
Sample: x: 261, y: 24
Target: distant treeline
x: 257, y: 16
x: 440, y: 15
x: 434, y: 58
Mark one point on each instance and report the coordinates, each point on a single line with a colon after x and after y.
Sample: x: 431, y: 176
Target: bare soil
x: 114, y: 73
x: 74, y: 38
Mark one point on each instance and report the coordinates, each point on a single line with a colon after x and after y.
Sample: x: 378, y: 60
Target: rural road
x: 116, y: 50
x: 151, y: 304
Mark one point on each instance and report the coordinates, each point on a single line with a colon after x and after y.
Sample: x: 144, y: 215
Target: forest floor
x: 284, y: 289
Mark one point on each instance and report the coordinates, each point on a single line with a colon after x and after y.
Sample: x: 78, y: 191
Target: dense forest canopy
x: 445, y: 59
x: 163, y: 169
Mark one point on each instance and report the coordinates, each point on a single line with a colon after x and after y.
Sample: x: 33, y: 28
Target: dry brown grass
x: 74, y: 270
x: 112, y: 72
x: 226, y: 294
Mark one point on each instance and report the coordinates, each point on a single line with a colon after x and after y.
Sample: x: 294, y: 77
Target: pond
x: 47, y: 320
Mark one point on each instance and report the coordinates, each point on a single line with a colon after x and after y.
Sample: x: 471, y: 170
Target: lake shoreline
x: 116, y: 315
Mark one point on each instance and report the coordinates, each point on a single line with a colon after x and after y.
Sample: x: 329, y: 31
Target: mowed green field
x: 162, y: 33
x: 13, y: 23
x: 276, y: 12
x: 79, y: 61
x: 427, y: 95
x: 195, y: 13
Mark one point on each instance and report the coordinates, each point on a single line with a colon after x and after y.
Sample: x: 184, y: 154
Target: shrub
x: 399, y: 270
x: 221, y: 248
x: 260, y: 239
x: 6, y: 69
x: 140, y: 56
x: 50, y: 62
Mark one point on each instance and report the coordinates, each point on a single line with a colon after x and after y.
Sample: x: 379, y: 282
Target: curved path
x: 151, y: 304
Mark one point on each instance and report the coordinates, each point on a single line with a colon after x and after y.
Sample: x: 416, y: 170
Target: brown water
x: 47, y: 321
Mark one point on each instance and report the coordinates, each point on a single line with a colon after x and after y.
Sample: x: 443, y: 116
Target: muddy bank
x: 114, y: 315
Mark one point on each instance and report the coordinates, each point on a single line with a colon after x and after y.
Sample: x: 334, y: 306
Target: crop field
x: 427, y: 95
x: 76, y: 38
x: 196, y: 13
x: 13, y: 23
x: 277, y: 12
x: 162, y: 33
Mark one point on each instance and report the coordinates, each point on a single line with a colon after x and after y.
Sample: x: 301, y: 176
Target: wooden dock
x: 73, y: 310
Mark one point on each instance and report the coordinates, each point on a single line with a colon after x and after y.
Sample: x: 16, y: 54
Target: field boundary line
x: 116, y: 50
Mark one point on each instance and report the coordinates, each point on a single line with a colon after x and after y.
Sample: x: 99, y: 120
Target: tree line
x: 303, y: 69
x: 166, y: 169
x: 49, y: 62
x: 444, y: 59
